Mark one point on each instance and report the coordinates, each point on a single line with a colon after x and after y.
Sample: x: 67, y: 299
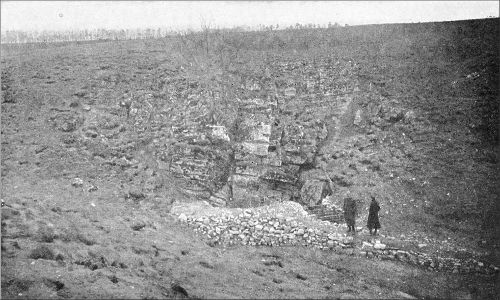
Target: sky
x: 178, y: 15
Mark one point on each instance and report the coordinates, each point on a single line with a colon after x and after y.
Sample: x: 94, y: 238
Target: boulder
x: 366, y: 245
x: 403, y: 295
x: 357, y: 118
x: 392, y: 114
x: 219, y: 132
x: 294, y: 158
x: 77, y: 182
x: 216, y: 201
x: 183, y: 218
x: 312, y: 192
x: 409, y: 117
x: 290, y: 92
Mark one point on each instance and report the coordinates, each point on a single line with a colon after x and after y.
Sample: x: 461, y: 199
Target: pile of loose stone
x: 247, y: 229
x: 434, y: 263
x: 254, y: 229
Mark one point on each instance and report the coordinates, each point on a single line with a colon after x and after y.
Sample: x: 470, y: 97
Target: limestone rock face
x: 221, y: 197
x: 278, y: 130
x: 261, y: 133
x: 256, y: 148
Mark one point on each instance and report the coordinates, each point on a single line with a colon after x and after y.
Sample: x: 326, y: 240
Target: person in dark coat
x: 373, y: 221
x: 350, y: 211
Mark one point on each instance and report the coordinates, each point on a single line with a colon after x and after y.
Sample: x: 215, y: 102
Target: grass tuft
x: 42, y: 252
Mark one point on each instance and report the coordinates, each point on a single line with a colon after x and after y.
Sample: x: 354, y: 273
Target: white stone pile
x: 248, y: 228
x: 433, y: 263
x: 252, y: 228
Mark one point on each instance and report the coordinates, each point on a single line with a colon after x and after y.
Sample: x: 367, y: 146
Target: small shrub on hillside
x: 59, y: 257
x: 72, y: 234
x: 42, y: 252
x: 135, y: 195
x: 87, y: 241
x: 113, y: 279
x: 17, y: 284
x: 67, y: 236
x: 46, y: 234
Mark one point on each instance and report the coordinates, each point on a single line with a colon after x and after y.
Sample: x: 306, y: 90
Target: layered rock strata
x: 283, y: 119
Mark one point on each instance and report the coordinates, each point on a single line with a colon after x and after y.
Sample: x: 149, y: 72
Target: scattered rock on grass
x: 301, y: 277
x: 357, y: 118
x: 135, y: 195
x: 183, y: 218
x: 206, y: 265
x: 404, y: 295
x: 40, y: 148
x: 138, y: 226
x: 277, y: 280
x: 77, y: 182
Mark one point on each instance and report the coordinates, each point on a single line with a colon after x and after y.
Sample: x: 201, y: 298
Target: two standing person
x: 351, y: 211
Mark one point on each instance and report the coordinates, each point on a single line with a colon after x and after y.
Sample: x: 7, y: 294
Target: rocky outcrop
x: 252, y: 158
x: 281, y: 122
x: 286, y: 131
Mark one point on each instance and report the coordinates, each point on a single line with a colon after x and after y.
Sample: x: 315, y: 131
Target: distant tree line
x: 277, y: 36
x: 48, y: 36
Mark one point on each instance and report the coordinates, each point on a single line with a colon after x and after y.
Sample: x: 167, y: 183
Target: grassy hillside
x: 87, y: 130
